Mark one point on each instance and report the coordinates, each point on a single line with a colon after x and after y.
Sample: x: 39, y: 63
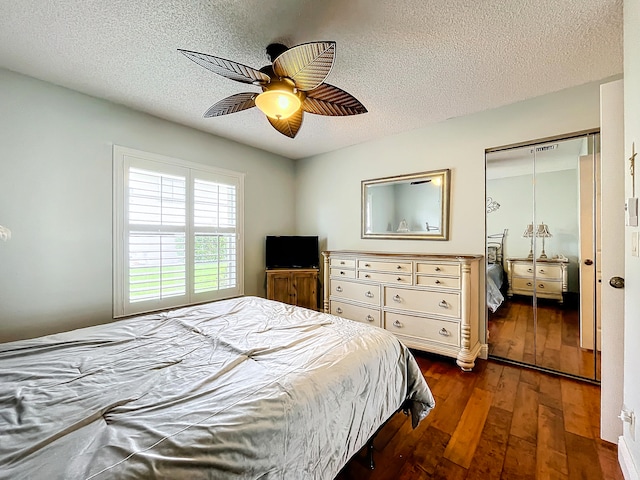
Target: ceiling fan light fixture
x: 278, y: 103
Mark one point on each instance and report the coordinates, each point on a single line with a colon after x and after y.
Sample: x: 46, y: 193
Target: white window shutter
x: 177, y: 233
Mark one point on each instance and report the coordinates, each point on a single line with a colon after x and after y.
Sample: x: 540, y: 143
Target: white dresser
x: 431, y: 302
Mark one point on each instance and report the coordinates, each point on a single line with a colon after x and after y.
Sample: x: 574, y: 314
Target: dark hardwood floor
x: 557, y: 341
x: 497, y: 422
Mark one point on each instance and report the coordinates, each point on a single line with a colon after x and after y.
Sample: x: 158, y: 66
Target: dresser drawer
x: 400, y: 267
x: 523, y: 269
x: 366, y: 315
x: 431, y: 329
x: 342, y: 263
x: 360, y: 292
x: 438, y: 269
x: 343, y: 273
x: 542, y: 271
x: 542, y: 286
x: 400, y: 279
x: 553, y: 272
x: 440, y: 282
x: 440, y: 303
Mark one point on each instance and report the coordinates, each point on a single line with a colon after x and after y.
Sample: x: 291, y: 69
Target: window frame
x: 123, y: 159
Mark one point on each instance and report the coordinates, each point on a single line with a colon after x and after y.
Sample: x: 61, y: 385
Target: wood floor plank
x: 429, y: 449
x: 524, y: 424
x: 576, y: 412
x: 608, y: 458
x: 489, y: 456
x: 407, y: 454
x: 519, y: 460
x: 447, y: 470
x: 447, y: 413
x: 582, y: 457
x: 505, y: 394
x: 550, y: 394
x: 491, y: 377
x: 466, y: 436
x: 551, y: 460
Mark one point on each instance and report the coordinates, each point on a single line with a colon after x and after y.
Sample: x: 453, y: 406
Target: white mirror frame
x: 403, y: 230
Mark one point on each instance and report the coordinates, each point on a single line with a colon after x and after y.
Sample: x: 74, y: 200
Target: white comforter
x: 238, y: 389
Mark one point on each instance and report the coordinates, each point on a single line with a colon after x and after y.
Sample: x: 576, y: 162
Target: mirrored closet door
x: 542, y: 263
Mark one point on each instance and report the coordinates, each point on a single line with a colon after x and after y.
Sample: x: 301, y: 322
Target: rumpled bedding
x: 238, y: 389
x: 494, y: 283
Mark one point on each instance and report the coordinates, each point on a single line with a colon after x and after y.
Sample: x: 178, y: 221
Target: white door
x: 613, y: 168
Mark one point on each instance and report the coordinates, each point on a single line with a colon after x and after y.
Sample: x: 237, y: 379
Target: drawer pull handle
x: 396, y: 298
x: 338, y: 288
x: 342, y: 273
x: 338, y: 310
x: 341, y: 263
x: 399, y: 279
x: 541, y: 285
x: 437, y: 269
x: 367, y: 265
x: 444, y: 332
x: 368, y: 295
x: 370, y: 318
x: 529, y: 284
x: 367, y: 276
x: 399, y: 267
x: 443, y: 304
x: 529, y: 270
x: 541, y: 270
x: 397, y: 324
x: 438, y: 282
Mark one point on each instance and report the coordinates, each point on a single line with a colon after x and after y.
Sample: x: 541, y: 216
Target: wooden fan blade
x: 307, y: 65
x: 227, y: 68
x: 333, y: 101
x: 289, y: 126
x: 234, y: 103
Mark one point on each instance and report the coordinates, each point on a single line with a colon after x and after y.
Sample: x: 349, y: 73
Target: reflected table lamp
x: 543, y: 232
x: 528, y: 233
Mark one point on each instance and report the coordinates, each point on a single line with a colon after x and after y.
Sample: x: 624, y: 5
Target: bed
x: 495, y: 270
x: 245, y: 388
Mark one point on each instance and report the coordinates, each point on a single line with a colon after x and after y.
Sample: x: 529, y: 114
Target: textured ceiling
x: 411, y: 62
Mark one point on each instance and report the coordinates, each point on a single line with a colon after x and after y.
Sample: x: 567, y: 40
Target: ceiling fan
x: 291, y: 85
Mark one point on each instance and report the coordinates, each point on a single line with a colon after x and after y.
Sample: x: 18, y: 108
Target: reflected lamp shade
x: 543, y: 231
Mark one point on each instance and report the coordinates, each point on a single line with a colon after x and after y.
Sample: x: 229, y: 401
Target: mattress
x: 238, y: 389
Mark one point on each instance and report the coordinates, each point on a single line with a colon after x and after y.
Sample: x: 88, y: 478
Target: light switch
x: 634, y: 244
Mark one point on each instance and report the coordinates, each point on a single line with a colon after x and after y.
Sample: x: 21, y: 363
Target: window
x: 177, y: 232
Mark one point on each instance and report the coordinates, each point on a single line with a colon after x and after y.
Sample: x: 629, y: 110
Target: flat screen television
x: 292, y: 251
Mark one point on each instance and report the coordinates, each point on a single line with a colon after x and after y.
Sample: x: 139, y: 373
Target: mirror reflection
x: 542, y: 235
x: 414, y: 206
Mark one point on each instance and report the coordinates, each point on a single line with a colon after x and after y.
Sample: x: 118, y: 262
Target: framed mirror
x: 414, y: 207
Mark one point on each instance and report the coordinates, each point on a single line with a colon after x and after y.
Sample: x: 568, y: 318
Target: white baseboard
x: 626, y: 461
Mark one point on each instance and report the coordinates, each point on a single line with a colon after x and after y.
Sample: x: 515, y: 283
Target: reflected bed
x: 495, y: 270
x: 495, y: 277
x: 238, y: 389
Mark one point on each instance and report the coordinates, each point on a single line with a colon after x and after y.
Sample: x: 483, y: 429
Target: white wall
x: 56, y: 197
x: 328, y: 186
x: 632, y: 264
x: 556, y: 205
